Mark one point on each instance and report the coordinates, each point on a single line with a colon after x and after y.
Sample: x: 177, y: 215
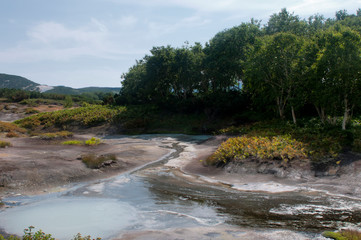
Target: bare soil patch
x: 33, y: 165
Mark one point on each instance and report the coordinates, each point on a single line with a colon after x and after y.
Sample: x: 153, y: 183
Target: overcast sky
x: 81, y: 43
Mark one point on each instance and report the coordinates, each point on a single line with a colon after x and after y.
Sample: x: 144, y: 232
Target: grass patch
x: 56, y: 135
x: 95, y: 162
x: 73, y: 142
x: 91, y: 142
x: 4, y: 144
x: 346, y: 234
x: 87, y: 116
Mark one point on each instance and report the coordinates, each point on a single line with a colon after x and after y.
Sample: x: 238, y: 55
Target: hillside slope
x: 17, y: 82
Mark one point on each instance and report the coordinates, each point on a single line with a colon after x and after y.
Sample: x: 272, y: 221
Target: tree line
x: 289, y: 67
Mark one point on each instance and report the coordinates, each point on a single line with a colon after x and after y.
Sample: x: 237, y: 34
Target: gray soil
x: 33, y: 165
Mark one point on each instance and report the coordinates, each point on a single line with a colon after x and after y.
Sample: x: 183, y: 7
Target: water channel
x: 156, y: 197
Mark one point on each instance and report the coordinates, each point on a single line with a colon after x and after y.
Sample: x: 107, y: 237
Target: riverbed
x: 160, y: 200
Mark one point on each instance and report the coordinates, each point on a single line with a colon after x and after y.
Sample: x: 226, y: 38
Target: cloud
x: 127, y: 21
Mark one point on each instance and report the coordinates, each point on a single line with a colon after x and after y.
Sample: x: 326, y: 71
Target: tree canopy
x: 282, y: 68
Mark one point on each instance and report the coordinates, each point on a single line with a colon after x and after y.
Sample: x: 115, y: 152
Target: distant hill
x: 76, y: 91
x: 17, y: 82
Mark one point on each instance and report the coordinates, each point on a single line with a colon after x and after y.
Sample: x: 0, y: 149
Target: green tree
x: 274, y: 70
x: 338, y: 66
x: 226, y: 55
x: 285, y: 22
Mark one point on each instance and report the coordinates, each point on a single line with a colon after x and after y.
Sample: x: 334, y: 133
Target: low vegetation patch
x: 73, y: 142
x: 346, y: 234
x: 4, y: 144
x: 91, y: 142
x: 87, y: 116
x: 40, y: 235
x: 95, y: 162
x: 274, y: 148
x: 320, y: 141
x: 11, y: 128
x: 56, y: 135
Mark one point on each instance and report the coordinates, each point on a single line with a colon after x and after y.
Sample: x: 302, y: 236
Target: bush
x: 4, y: 144
x: 93, y: 141
x: 12, y: 134
x: 345, y: 234
x: 239, y: 148
x: 11, y: 127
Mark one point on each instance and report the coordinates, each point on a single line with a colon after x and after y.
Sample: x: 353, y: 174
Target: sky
x: 82, y: 43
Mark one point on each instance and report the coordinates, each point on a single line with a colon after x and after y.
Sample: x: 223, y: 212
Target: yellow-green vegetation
x: 346, y: 234
x: 40, y: 235
x: 87, y: 116
x: 274, y: 148
x: 91, y: 142
x: 93, y: 161
x: 317, y: 141
x: 11, y: 129
x: 4, y: 144
x: 73, y: 142
x: 56, y: 135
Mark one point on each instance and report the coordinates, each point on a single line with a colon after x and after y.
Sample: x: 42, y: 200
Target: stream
x: 156, y: 197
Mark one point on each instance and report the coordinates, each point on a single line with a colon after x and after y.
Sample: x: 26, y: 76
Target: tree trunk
x: 280, y: 108
x: 345, y: 116
x: 293, y: 115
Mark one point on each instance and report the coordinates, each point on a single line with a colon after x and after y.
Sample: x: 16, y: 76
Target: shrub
x: 4, y: 144
x: 12, y: 134
x: 280, y: 148
x: 345, y: 234
x: 93, y: 141
x: 11, y: 127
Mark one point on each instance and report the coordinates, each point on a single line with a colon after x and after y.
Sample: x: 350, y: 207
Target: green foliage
x: 345, y: 234
x: 40, y: 235
x: 88, y: 116
x: 93, y: 141
x: 95, y: 162
x: 4, y: 144
x: 319, y: 141
x: 276, y: 148
x: 73, y: 142
x: 68, y: 102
